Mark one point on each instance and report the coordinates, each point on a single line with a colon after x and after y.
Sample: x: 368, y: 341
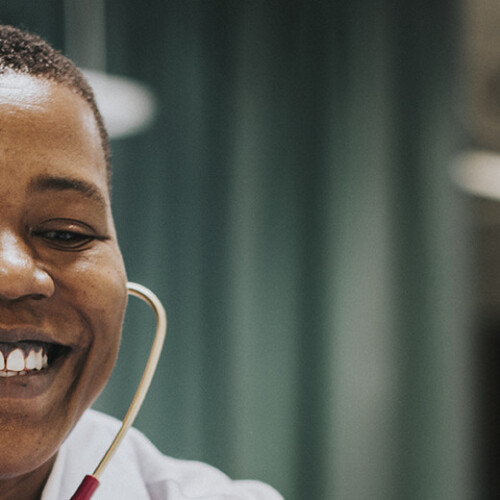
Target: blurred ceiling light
x: 127, y: 106
x: 478, y: 173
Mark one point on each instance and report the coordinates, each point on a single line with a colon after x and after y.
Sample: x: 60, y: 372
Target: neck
x: 27, y: 486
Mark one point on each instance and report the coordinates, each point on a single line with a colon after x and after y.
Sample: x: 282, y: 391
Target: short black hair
x: 24, y: 52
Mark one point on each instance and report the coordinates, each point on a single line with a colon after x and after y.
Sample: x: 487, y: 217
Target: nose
x: 20, y: 274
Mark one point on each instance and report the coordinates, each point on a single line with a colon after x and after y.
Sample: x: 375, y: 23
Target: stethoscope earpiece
x: 91, y: 482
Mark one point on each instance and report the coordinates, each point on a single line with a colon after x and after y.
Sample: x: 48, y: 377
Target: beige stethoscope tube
x: 161, y: 329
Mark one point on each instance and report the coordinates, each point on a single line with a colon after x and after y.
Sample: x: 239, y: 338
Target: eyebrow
x: 43, y: 183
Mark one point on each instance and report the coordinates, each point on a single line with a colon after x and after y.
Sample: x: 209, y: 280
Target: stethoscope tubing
x: 91, y: 481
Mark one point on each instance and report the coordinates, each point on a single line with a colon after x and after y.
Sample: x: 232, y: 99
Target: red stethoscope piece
x: 86, y: 488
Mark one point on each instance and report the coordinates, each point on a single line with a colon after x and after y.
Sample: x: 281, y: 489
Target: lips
x: 25, y: 352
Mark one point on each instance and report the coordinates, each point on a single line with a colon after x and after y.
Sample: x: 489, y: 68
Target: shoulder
x: 162, y: 477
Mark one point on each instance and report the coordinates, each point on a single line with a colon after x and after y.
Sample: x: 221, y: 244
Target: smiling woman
x: 62, y: 279
x: 63, y: 296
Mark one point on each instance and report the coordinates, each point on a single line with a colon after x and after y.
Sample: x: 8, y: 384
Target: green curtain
x: 291, y: 205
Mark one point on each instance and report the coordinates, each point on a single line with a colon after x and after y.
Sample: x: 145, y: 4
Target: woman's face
x: 62, y: 279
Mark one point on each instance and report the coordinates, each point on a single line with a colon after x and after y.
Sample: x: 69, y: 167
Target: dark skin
x: 62, y: 278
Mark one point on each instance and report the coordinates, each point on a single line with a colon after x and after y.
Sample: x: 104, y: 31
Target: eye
x: 68, y: 239
x: 68, y: 235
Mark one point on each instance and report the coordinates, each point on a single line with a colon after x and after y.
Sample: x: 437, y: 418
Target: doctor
x: 63, y: 296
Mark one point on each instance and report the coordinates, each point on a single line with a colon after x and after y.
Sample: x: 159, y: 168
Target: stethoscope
x: 91, y: 481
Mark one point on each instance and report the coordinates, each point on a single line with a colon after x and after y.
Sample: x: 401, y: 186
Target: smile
x: 27, y: 357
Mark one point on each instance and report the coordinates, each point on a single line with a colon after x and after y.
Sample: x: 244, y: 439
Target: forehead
x: 44, y: 125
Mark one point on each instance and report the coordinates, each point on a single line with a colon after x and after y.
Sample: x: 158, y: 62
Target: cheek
x: 97, y: 292
x: 98, y: 284
x: 103, y: 298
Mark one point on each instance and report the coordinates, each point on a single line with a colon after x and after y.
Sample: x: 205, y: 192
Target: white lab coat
x: 139, y: 471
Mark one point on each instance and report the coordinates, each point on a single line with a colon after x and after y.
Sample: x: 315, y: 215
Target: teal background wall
x: 291, y: 206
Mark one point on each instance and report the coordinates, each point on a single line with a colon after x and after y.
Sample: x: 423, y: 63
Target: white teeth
x: 15, y: 361
x: 30, y: 361
x: 17, y: 364
x: 11, y: 374
x: 38, y: 360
